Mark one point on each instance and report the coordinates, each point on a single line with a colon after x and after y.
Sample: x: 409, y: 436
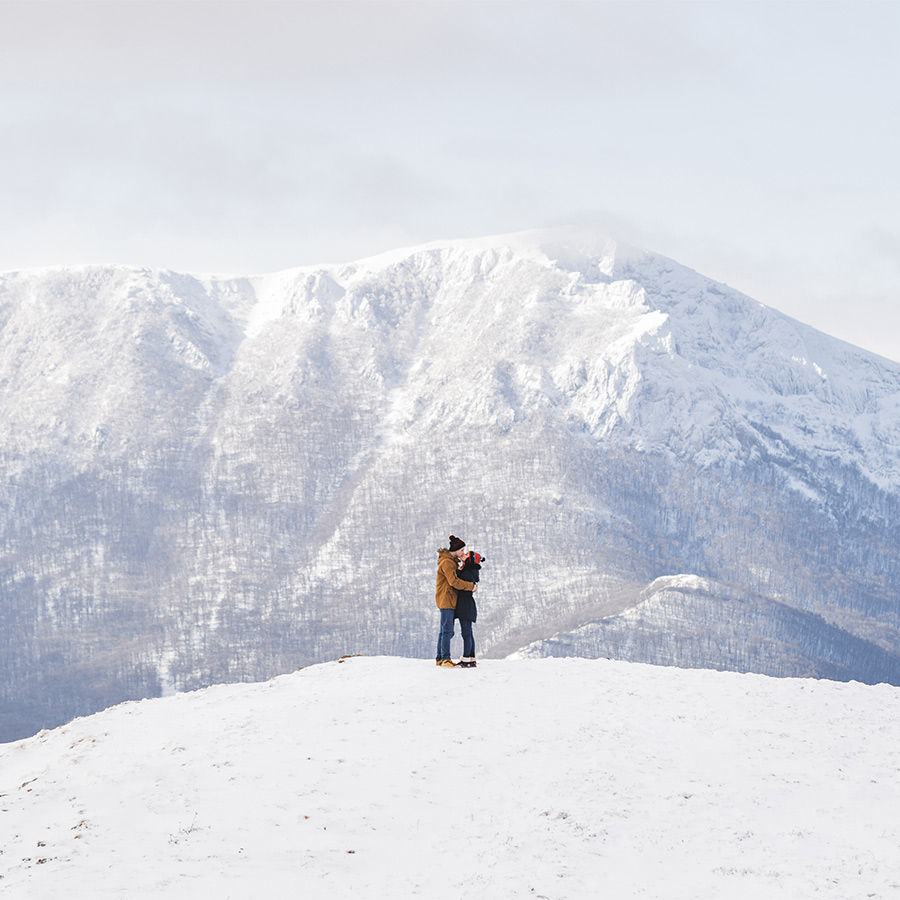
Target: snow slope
x: 753, y: 633
x: 383, y: 777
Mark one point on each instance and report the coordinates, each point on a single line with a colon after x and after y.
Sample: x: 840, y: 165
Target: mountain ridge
x: 220, y: 480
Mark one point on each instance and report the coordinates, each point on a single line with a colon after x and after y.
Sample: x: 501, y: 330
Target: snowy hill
x: 213, y: 479
x: 385, y: 777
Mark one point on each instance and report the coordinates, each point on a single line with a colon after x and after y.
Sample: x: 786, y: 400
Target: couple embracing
x: 457, y: 581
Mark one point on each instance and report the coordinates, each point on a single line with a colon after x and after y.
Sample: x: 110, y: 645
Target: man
x: 448, y: 583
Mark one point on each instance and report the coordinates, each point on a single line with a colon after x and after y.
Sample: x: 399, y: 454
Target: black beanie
x: 456, y: 543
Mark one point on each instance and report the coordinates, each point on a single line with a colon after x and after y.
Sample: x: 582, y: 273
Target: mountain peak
x: 564, y: 244
x: 222, y: 479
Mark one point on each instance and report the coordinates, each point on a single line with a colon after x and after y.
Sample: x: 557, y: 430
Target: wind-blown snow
x: 380, y: 777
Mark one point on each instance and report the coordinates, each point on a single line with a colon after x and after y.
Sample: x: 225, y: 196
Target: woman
x: 448, y: 583
x: 466, y: 610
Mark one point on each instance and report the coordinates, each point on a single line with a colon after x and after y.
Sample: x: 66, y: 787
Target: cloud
x: 883, y: 245
x: 107, y: 43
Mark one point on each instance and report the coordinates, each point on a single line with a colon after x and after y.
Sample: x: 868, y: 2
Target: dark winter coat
x: 465, y: 601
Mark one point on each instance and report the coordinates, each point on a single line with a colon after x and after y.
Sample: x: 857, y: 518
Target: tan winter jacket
x: 448, y: 583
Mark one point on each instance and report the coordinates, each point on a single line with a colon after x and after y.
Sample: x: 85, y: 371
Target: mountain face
x: 220, y: 479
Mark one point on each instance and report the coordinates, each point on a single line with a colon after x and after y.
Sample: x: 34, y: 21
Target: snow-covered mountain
x: 212, y: 479
x: 549, y: 779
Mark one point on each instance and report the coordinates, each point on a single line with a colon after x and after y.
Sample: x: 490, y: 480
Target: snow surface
x: 382, y: 777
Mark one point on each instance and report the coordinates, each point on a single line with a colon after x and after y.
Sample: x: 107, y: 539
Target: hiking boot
x: 447, y: 663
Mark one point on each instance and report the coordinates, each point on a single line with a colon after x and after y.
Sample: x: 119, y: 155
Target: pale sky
x: 755, y: 142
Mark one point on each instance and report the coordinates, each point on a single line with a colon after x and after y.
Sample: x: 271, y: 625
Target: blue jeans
x: 445, y: 634
x: 465, y: 627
